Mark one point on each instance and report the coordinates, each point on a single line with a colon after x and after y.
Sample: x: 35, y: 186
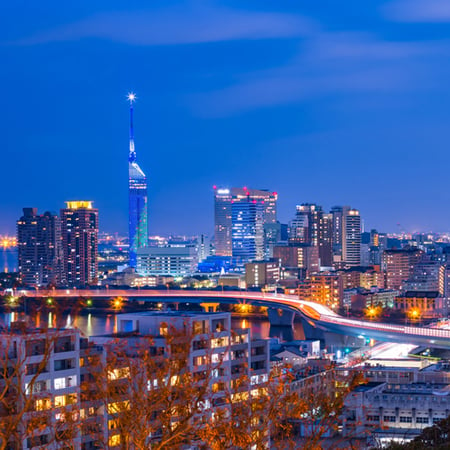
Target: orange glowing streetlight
x: 414, y: 313
x: 117, y: 303
x: 372, y: 312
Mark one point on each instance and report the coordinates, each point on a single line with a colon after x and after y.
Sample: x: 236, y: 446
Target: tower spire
x: 137, y: 194
x: 132, y: 154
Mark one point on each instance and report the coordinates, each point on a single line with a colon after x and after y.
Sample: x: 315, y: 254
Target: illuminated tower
x: 137, y: 191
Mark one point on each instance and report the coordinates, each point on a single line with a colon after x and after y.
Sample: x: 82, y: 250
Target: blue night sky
x: 322, y: 101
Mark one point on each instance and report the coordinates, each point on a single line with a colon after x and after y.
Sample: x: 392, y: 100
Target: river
x: 106, y: 323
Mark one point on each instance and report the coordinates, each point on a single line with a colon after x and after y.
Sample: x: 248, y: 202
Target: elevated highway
x: 315, y: 314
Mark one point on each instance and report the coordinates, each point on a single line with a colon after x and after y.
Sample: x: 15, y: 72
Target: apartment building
x: 42, y: 386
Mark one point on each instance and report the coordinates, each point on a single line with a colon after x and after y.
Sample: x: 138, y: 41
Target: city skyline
x: 315, y: 103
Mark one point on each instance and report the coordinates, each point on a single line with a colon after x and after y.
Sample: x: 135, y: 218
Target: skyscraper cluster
x: 59, y: 251
x: 246, y: 228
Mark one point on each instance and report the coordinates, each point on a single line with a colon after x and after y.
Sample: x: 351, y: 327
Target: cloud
x: 187, y: 24
x: 327, y: 63
x: 418, y: 11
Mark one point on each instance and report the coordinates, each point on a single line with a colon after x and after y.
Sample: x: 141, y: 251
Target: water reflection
x: 99, y: 324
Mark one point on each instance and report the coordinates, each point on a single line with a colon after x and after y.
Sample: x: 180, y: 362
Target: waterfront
x: 91, y: 324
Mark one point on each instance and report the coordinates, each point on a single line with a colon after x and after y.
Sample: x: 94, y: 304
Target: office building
x: 346, y: 236
x: 225, y: 199
x: 247, y: 232
x: 138, y: 202
x: 260, y: 274
x: 79, y: 230
x: 427, y: 275
x: 298, y: 256
x: 177, y: 261
x: 338, y: 214
x: 203, y: 247
x: 39, y: 248
x: 314, y: 227
x: 399, y: 265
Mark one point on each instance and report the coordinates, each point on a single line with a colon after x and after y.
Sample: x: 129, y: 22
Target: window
x: 163, y: 329
x: 405, y: 419
x: 200, y: 360
x: 422, y: 420
x: 117, y: 374
x: 114, y: 440
x: 42, y: 404
x: 60, y: 383
x: 219, y: 342
x: 389, y: 418
x: 371, y: 418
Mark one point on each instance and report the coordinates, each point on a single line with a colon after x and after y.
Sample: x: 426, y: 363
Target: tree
x: 436, y: 437
x: 150, y: 394
x: 154, y: 399
x: 27, y: 408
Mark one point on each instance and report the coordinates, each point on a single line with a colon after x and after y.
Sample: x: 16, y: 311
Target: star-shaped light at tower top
x: 131, y: 97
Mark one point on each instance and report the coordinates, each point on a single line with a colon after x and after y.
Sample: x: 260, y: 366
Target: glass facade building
x: 247, y: 231
x: 229, y: 219
x: 138, y: 202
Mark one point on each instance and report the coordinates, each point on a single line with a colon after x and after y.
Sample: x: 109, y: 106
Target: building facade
x: 230, y: 207
x: 247, y: 232
x: 321, y: 288
x: 79, y: 231
x: 314, y: 227
x: 39, y: 248
x: 399, y: 265
x: 351, y: 248
x: 259, y: 274
x: 177, y: 261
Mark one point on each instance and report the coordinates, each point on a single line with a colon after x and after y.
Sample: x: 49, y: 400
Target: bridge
x: 315, y: 314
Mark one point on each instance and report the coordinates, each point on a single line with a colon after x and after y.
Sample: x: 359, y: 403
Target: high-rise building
x: 222, y: 222
x: 351, y: 248
x: 226, y: 222
x: 247, y: 233
x: 79, y: 230
x: 137, y: 190
x: 312, y: 226
x: 39, y: 248
x: 338, y: 216
x: 399, y: 265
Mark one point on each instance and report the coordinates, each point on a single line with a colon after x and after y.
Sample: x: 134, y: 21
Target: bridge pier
x: 210, y: 306
x: 279, y: 317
